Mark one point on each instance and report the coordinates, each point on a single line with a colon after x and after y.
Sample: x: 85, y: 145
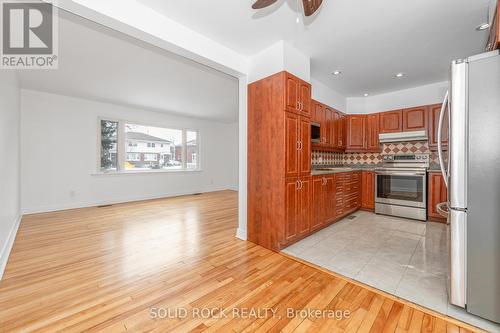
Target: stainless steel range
x: 401, y: 186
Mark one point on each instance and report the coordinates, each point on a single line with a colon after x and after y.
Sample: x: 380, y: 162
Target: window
x: 150, y: 157
x: 192, y: 149
x: 133, y: 157
x: 127, y: 146
x: 109, y: 143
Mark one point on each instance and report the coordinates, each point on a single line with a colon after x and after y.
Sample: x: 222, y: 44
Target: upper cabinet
x: 297, y: 95
x: 332, y: 130
x: 391, y: 121
x: 362, y: 133
x: 415, y: 119
x: 372, y: 132
x: 356, y: 132
x: 434, y: 111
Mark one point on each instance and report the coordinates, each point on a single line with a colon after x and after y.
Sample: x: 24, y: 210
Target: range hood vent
x: 403, y: 136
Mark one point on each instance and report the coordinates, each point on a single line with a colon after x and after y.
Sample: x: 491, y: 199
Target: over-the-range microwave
x: 315, y: 133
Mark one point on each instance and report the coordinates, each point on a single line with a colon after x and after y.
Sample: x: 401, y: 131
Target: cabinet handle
x: 297, y: 185
x: 297, y: 106
x: 300, y: 145
x: 301, y: 184
x: 297, y: 145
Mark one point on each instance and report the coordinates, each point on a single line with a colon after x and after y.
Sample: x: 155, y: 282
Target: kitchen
x: 366, y: 195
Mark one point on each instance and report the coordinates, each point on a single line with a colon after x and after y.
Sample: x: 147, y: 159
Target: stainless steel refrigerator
x: 472, y: 175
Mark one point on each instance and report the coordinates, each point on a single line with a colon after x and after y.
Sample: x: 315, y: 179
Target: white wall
x: 423, y: 95
x: 280, y: 56
x: 328, y: 96
x: 9, y: 167
x: 59, y: 155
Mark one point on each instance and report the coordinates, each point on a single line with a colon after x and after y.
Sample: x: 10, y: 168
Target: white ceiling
x: 104, y: 65
x: 369, y: 41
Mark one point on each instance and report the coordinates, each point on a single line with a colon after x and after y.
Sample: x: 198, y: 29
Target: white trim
x: 241, y: 234
x: 7, y: 248
x: 75, y: 205
x: 141, y: 172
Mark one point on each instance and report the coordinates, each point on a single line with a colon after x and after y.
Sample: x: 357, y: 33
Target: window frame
x: 122, y: 147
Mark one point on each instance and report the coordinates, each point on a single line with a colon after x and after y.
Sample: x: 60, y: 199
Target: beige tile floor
x: 403, y: 257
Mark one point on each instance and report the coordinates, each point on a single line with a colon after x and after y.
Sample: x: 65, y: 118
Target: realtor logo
x: 29, y: 35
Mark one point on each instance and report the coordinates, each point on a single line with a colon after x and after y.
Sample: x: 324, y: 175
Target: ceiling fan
x: 310, y: 6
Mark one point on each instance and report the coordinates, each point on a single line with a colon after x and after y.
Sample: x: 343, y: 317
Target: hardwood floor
x: 113, y: 269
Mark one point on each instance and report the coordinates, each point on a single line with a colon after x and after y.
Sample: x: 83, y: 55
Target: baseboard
x: 233, y: 188
x: 76, y: 205
x: 241, y: 234
x: 4, y: 255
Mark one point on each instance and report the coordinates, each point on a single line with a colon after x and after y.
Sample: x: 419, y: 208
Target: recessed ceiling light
x: 366, y: 94
x: 483, y: 26
x: 337, y: 73
x: 400, y: 75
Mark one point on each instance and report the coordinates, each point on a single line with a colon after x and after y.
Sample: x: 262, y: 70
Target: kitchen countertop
x: 342, y: 168
x: 434, y: 167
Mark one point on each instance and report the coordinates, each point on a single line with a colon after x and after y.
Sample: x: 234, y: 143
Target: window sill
x: 143, y: 172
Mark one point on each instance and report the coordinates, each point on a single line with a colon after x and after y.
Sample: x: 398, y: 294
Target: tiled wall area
x: 327, y: 158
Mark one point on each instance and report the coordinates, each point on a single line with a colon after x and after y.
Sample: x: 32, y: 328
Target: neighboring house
x: 191, y: 153
x: 147, y: 151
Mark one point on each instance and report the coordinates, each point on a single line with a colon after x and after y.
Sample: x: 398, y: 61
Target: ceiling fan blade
x: 263, y: 3
x: 311, y: 6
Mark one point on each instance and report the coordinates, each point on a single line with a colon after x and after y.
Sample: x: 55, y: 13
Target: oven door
x: 403, y: 188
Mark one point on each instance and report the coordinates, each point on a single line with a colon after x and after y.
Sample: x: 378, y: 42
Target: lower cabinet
x: 323, y: 201
x: 312, y: 203
x: 368, y: 190
x: 297, y: 208
x: 437, y: 193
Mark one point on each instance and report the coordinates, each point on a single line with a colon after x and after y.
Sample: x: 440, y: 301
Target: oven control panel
x: 417, y: 160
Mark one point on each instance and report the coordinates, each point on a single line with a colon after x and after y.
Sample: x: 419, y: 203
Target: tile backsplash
x: 399, y: 148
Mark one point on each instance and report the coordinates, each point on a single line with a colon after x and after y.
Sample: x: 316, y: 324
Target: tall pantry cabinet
x: 279, y: 160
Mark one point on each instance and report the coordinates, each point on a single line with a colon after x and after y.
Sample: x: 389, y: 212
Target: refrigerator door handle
x: 439, y: 142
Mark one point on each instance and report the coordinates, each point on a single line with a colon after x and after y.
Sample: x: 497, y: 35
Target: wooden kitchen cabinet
x: 297, y: 95
x: 434, y: 111
x: 437, y: 193
x: 298, y: 208
x: 362, y: 133
x: 391, y: 121
x: 298, y: 145
x: 415, y: 119
x: 330, y: 127
x: 279, y: 157
x: 372, y: 132
x: 356, y: 133
x: 332, y: 131
x: 323, y: 198
x: 368, y: 190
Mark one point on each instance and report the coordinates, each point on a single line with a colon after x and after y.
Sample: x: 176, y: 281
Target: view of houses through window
x: 147, y: 147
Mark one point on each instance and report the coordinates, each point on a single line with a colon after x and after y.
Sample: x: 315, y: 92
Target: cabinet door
x: 305, y: 98
x: 330, y: 125
x: 305, y: 147
x: 391, y: 121
x: 292, y: 137
x: 434, y: 111
x: 368, y: 190
x: 320, y: 118
x: 415, y: 119
x: 437, y: 194
x: 318, y: 210
x: 372, y: 131
x: 341, y: 131
x: 291, y: 93
x: 330, y: 198
x: 305, y: 205
x: 291, y: 209
x: 356, y: 132
x: 334, y: 129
